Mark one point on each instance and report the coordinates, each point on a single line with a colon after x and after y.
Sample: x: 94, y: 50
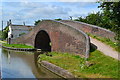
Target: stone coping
x: 19, y: 49
x: 56, y: 69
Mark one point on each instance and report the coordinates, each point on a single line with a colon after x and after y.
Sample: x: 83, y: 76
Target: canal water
x: 16, y: 64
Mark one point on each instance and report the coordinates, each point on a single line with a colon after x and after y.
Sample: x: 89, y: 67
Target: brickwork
x: 64, y: 38
x: 95, y: 30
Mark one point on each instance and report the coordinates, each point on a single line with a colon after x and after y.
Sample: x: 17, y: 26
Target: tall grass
x: 100, y: 66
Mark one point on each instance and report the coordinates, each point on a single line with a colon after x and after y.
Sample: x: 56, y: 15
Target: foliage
x: 6, y: 28
x: 112, y: 10
x: 17, y: 45
x: 58, y: 19
x: 81, y: 19
x: 36, y: 22
x: 0, y: 34
x: 4, y: 34
x: 71, y: 17
x: 109, y: 18
x: 101, y: 66
x: 3, y: 41
x: 96, y: 19
x: 21, y: 34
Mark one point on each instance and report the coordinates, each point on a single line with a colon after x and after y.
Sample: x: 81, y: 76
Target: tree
x: 4, y: 34
x: 93, y: 18
x: 36, y: 22
x: 58, y: 19
x: 81, y: 19
x: 112, y: 11
x: 0, y: 35
x: 109, y: 18
x: 71, y: 17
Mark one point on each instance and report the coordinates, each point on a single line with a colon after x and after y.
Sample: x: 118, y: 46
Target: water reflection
x: 16, y: 64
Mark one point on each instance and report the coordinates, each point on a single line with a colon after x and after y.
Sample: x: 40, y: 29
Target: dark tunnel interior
x: 42, y: 41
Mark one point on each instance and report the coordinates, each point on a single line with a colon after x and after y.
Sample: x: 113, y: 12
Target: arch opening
x: 42, y: 41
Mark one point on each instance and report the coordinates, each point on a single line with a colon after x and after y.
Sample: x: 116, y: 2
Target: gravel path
x: 107, y: 50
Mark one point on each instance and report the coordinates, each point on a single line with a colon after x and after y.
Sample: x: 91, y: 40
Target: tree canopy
x: 36, y: 22
x: 58, y: 19
x: 108, y: 18
x: 111, y: 10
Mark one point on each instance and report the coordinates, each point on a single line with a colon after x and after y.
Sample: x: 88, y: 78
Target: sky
x: 29, y: 11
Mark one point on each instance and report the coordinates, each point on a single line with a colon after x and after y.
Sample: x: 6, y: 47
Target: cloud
x: 49, y: 0
x: 31, y: 11
x: 81, y: 8
x: 0, y: 16
x: 44, y: 10
x: 29, y: 0
x: 77, y: 0
x: 47, y: 11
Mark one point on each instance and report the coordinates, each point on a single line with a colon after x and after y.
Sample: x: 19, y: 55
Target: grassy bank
x: 2, y: 41
x: 107, y: 41
x: 17, y: 45
x: 100, y: 66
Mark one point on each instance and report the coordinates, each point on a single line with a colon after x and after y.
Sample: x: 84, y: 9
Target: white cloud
x: 77, y: 0
x: 46, y: 11
x: 31, y: 11
x: 0, y: 16
x: 49, y: 0
x: 83, y: 12
x: 29, y: 0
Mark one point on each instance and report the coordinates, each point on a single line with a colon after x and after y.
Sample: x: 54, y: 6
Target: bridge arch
x: 64, y: 38
x: 42, y: 41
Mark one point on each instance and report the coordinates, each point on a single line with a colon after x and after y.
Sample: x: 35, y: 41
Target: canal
x: 16, y: 64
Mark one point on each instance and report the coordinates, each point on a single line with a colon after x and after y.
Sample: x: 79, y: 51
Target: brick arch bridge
x: 56, y: 36
x: 63, y: 36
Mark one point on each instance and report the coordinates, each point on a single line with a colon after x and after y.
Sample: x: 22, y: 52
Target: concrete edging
x: 19, y: 49
x: 57, y: 70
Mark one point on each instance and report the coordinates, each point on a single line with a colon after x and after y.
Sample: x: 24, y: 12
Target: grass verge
x: 101, y: 66
x: 2, y: 41
x: 107, y: 41
x: 17, y: 45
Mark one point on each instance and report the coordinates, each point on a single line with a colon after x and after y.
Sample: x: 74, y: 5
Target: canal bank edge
x: 57, y: 70
x: 19, y: 49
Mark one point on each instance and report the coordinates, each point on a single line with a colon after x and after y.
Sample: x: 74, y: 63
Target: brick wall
x: 95, y: 30
x: 64, y: 38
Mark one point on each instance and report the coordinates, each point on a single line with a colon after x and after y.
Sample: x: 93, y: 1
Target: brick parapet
x: 92, y: 29
x: 64, y: 38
